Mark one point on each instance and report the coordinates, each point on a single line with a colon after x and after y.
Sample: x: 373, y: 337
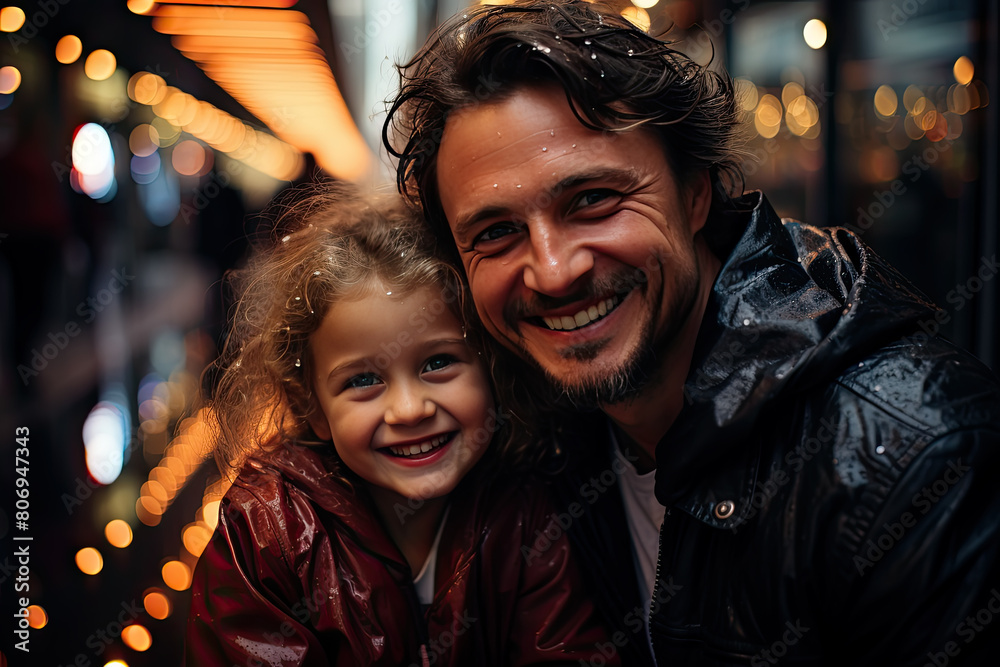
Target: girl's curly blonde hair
x: 327, y: 244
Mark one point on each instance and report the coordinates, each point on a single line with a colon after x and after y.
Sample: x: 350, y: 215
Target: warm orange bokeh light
x: 68, y: 49
x: 637, y: 17
x: 119, y: 533
x: 144, y: 140
x: 177, y: 575
x: 188, y: 158
x: 963, y: 70
x: 210, y: 513
x: 157, y: 605
x: 11, y: 19
x: 140, y: 6
x: 100, y: 65
x: 195, y: 538
x: 37, y: 618
x: 137, y: 637
x: 10, y: 79
x: 89, y: 560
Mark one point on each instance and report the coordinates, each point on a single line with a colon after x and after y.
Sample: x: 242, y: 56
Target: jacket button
x: 725, y: 509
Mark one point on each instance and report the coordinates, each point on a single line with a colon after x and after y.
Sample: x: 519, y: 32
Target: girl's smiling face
x: 401, y: 394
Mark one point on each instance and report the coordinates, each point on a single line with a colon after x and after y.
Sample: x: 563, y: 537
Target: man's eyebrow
x: 622, y: 177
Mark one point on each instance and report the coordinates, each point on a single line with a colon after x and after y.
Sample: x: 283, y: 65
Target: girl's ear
x: 320, y: 426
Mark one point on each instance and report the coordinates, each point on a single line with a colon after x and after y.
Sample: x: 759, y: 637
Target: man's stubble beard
x: 635, y: 373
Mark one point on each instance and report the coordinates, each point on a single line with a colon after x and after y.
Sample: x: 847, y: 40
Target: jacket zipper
x: 656, y: 585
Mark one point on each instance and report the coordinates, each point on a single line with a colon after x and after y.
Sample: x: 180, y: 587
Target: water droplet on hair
x: 587, y: 42
x: 315, y: 273
x: 298, y: 363
x: 631, y: 52
x: 544, y: 149
x: 496, y: 185
x: 546, y: 49
x: 593, y: 56
x: 518, y: 185
x: 298, y: 298
x: 388, y: 293
x: 602, y: 74
x: 558, y: 37
x: 285, y: 240
x: 574, y: 145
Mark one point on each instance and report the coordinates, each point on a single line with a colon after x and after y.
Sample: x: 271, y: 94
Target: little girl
x: 374, y: 519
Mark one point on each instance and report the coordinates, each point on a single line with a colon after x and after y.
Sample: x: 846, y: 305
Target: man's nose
x: 409, y: 404
x: 556, y: 261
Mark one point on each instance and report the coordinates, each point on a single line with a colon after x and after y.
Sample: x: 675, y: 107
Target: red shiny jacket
x: 301, y: 572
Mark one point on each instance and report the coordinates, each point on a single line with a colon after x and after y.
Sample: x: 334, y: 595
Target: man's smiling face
x: 578, y: 244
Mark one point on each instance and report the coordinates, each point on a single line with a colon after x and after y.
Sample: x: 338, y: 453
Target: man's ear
x: 697, y: 195
x: 320, y: 426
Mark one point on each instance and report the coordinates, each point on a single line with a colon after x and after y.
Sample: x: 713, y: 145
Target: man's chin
x: 608, y: 386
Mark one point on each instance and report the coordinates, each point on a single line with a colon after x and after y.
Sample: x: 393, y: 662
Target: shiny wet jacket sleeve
x: 239, y: 609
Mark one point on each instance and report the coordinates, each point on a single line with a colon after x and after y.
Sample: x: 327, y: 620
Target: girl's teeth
x: 413, y: 450
x: 582, y: 318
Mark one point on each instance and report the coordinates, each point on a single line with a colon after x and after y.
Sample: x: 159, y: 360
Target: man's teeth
x: 419, y: 448
x: 583, y: 318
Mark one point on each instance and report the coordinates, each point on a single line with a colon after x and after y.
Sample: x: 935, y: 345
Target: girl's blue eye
x: 362, y: 380
x: 438, y: 362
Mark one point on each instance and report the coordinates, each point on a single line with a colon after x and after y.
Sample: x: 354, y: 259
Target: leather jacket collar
x: 791, y: 307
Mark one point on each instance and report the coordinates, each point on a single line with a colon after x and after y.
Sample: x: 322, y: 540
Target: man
x: 823, y: 469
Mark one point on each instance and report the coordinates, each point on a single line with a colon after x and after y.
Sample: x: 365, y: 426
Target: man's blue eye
x: 363, y: 380
x: 495, y: 232
x: 437, y: 363
x: 592, y: 197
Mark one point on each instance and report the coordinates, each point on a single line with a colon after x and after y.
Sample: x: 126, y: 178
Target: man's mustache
x: 618, y: 283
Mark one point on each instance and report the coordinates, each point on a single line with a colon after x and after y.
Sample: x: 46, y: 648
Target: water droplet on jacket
x: 880, y: 449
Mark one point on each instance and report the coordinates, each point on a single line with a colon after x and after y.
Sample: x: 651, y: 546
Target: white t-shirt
x: 424, y: 581
x: 645, y: 516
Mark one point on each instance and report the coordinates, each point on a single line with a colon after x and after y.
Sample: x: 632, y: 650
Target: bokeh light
x: 176, y: 575
x: 10, y: 79
x: 637, y: 17
x: 100, y: 65
x: 11, y: 19
x: 814, y: 33
x: 767, y: 119
x: 746, y: 94
x: 105, y: 430
x: 963, y: 70
x: 89, y: 560
x: 140, y: 6
x: 886, y: 102
x: 69, y: 49
x: 143, y: 140
x: 188, y: 158
x: 157, y: 604
x: 137, y: 637
x: 118, y: 533
x: 37, y: 617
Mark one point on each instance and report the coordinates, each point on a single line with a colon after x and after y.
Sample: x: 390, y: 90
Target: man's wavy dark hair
x: 616, y: 77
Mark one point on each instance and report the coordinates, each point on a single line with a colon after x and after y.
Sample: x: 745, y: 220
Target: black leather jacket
x: 832, y: 483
